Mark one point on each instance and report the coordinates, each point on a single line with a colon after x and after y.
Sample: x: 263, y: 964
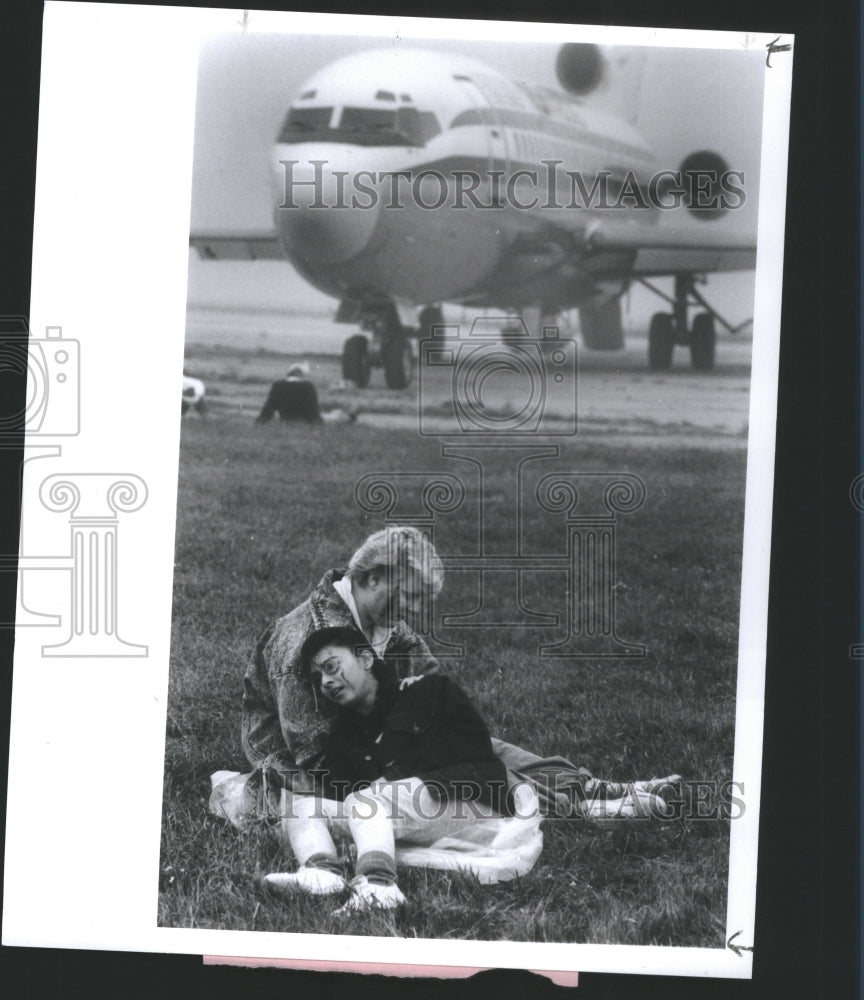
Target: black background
x: 808, y: 923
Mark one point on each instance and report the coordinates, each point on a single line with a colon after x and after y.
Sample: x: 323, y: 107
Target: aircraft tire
x: 661, y: 342
x: 429, y: 317
x: 703, y: 339
x: 355, y: 361
x: 397, y: 363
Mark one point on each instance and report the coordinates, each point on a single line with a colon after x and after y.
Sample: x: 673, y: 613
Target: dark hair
x: 344, y: 636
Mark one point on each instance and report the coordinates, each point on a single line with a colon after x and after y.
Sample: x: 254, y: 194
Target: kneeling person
x: 410, y: 762
x: 293, y: 398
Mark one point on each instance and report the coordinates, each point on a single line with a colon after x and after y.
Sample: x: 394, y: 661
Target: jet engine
x: 708, y: 187
x: 580, y: 67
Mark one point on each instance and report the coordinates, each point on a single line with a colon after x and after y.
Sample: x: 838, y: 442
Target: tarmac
x: 613, y: 395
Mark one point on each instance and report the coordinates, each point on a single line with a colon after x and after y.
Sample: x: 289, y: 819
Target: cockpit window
x: 305, y: 124
x: 368, y: 120
x: 361, y: 126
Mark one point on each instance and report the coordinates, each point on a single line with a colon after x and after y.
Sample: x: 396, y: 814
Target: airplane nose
x: 319, y: 217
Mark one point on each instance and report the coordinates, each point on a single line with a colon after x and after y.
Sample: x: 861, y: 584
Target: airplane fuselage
x: 405, y: 178
x: 423, y: 178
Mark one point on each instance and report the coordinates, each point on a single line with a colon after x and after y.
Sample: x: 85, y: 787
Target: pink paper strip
x: 376, y: 969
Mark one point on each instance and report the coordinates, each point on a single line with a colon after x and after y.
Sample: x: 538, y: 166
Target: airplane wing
x: 690, y: 246
x: 261, y: 245
x: 696, y: 247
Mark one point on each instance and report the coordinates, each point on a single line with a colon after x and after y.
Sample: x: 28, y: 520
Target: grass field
x: 263, y: 511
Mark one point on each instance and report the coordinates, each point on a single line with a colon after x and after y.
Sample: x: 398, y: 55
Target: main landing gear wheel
x: 397, y: 363
x: 661, y: 341
x: 703, y: 339
x: 355, y: 360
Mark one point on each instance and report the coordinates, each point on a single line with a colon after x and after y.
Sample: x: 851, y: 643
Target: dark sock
x: 378, y: 867
x: 329, y: 862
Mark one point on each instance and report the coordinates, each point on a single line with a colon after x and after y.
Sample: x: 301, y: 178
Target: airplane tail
x: 613, y: 76
x: 627, y: 72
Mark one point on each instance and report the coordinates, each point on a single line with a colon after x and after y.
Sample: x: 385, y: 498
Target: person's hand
x: 406, y: 682
x: 281, y: 777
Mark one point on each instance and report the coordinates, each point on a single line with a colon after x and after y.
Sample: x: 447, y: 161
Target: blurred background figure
x: 296, y: 398
x: 193, y: 396
x: 293, y: 398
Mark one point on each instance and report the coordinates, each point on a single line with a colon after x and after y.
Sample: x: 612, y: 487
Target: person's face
x: 402, y: 597
x: 407, y: 597
x: 388, y: 597
x: 346, y: 678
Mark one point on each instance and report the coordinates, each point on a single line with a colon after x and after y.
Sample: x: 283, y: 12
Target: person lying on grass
x: 391, y: 580
x: 408, y: 762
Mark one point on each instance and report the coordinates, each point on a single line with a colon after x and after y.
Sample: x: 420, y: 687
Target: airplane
x: 406, y: 179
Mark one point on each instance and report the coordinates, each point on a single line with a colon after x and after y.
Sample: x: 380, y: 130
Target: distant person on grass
x: 193, y: 396
x: 295, y: 398
x: 285, y: 723
x: 408, y: 763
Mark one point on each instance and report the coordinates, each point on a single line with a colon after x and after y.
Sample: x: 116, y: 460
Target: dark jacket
x: 429, y: 731
x: 285, y: 718
x: 292, y: 399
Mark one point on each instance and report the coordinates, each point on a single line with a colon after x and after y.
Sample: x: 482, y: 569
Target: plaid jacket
x: 286, y: 721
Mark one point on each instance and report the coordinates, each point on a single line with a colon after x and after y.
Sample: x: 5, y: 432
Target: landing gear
x: 396, y: 356
x: 385, y: 346
x: 661, y: 341
x: 392, y: 347
x: 669, y: 329
x: 601, y: 326
x: 430, y: 317
x: 703, y: 338
x: 355, y: 360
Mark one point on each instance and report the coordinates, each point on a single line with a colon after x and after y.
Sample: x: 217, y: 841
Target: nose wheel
x: 356, y: 364
x: 396, y: 357
x: 388, y: 348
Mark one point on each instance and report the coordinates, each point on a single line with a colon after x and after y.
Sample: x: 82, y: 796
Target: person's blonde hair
x: 399, y: 547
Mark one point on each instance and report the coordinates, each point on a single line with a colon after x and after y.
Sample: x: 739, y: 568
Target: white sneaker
x: 597, y: 788
x: 314, y: 881
x: 669, y: 786
x: 367, y: 896
x: 635, y: 805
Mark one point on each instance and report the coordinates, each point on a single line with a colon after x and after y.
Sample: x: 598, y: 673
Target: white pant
x: 374, y: 818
